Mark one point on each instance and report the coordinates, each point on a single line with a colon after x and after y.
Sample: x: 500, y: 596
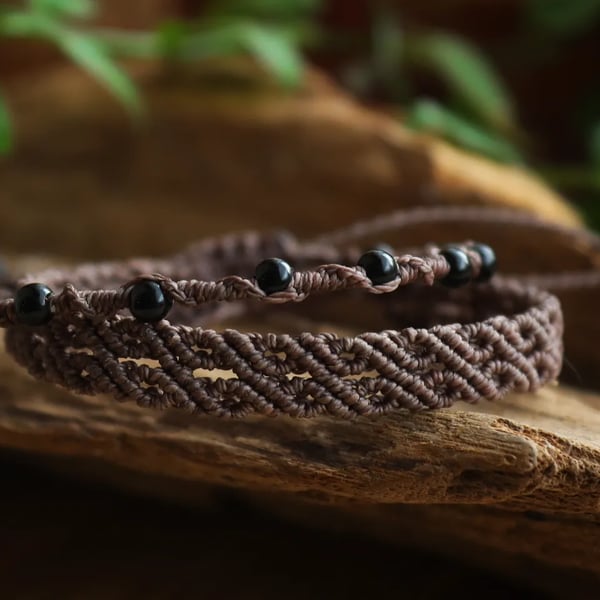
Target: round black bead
x: 488, y: 262
x: 148, y: 302
x: 460, y: 267
x: 32, y: 304
x: 380, y: 266
x: 273, y: 275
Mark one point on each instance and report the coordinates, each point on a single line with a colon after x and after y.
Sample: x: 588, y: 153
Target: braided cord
x: 325, y: 278
x: 506, y: 336
x: 156, y: 364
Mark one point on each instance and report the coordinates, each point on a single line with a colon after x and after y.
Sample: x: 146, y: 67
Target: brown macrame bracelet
x: 106, y: 331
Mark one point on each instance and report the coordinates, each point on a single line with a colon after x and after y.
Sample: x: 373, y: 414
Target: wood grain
x: 441, y: 457
x: 521, y: 475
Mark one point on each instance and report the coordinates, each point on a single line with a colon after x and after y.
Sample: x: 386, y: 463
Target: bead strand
x: 149, y: 300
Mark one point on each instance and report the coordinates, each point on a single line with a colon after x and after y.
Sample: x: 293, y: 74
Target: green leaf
x: 430, y: 116
x: 470, y: 78
x: 91, y: 55
x: 272, y: 46
x: 563, y: 17
x: 276, y: 51
x: 208, y: 42
x: 129, y: 44
x: 170, y: 38
x: 5, y: 128
x: 20, y: 23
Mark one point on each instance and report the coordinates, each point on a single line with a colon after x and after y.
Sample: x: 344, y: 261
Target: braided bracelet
x: 475, y: 338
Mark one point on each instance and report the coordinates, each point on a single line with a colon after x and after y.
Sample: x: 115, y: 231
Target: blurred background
x: 515, y: 80
x: 131, y: 128
x: 512, y: 81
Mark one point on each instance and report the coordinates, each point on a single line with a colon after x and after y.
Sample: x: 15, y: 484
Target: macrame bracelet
x: 106, y: 330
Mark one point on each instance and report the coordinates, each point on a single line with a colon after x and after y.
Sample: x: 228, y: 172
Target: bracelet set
x: 133, y: 329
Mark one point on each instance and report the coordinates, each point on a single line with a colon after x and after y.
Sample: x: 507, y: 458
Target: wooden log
x: 551, y: 463
x: 534, y: 458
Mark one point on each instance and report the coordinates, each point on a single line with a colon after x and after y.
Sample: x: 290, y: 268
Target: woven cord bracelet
x: 133, y: 329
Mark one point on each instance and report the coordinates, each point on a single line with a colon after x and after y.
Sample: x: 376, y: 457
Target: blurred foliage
x: 467, y: 74
x: 51, y: 21
x: 436, y: 118
x: 478, y: 114
x: 440, y: 82
x: 563, y: 17
x: 471, y: 106
x: 270, y: 31
x: 5, y: 127
x: 559, y: 21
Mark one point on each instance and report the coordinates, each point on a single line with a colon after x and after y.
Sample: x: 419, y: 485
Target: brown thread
x: 90, y: 346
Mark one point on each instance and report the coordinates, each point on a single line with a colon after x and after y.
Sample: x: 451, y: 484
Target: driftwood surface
x: 513, y: 485
x: 88, y: 541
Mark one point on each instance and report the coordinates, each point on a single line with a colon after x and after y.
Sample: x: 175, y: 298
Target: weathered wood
x: 521, y: 475
x: 442, y: 457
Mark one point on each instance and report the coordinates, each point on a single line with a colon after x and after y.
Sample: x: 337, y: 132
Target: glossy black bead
x: 273, y: 275
x: 488, y: 262
x: 460, y: 267
x: 380, y: 266
x: 32, y: 304
x: 148, y: 301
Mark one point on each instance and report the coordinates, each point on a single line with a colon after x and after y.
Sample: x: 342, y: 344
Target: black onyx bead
x: 380, y: 266
x: 460, y: 267
x: 273, y: 275
x: 148, y: 302
x: 488, y: 262
x: 32, y: 304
